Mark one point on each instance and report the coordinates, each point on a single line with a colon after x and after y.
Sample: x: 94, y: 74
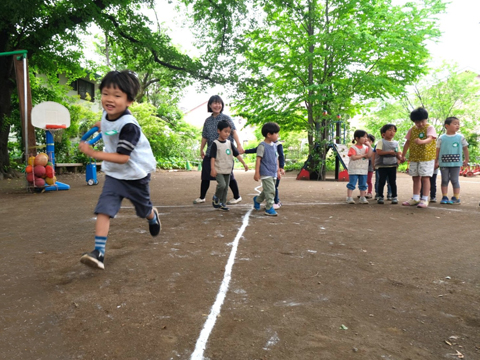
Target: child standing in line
x: 222, y: 153
x: 266, y: 168
x: 371, y: 166
x: 449, y: 159
x: 386, y: 162
x: 358, y: 166
x: 281, y: 163
x: 128, y: 162
x: 421, y: 141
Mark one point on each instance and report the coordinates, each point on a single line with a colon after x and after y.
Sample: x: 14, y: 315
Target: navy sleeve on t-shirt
x: 128, y: 139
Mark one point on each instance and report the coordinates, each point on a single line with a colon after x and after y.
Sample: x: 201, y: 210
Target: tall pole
x: 25, y: 104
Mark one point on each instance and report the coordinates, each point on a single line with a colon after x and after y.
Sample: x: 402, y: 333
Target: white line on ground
x: 215, y: 311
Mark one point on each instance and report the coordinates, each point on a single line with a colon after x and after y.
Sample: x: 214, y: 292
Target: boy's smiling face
x: 114, y: 102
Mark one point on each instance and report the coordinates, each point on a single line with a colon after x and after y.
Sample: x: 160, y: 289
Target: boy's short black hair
x: 270, y: 128
x: 449, y: 120
x: 358, y: 134
x: 387, y: 127
x: 371, y: 137
x: 419, y: 114
x: 213, y: 99
x: 222, y: 124
x: 125, y: 80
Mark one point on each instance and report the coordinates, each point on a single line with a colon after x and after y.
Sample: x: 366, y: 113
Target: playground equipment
x: 91, y: 167
x: 470, y: 170
x: 51, y: 116
x: 340, y: 150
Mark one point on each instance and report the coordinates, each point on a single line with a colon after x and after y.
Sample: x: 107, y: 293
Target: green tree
x: 310, y: 60
x: 49, y: 31
x: 444, y: 92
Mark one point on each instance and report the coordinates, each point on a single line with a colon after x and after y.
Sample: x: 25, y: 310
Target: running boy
x: 386, y: 162
x: 222, y: 153
x: 266, y: 168
x: 421, y: 141
x: 127, y: 161
x: 449, y: 159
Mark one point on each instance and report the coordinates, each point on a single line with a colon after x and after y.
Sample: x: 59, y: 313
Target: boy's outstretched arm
x: 245, y: 166
x: 405, y: 149
x: 101, y: 155
x: 256, y: 177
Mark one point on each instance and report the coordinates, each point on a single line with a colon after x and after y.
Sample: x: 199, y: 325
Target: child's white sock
x: 416, y: 197
x: 425, y: 198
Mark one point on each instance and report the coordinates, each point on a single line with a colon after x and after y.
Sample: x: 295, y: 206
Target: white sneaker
x: 350, y: 200
x: 198, y: 201
x: 277, y: 206
x: 363, y: 200
x: 234, y: 201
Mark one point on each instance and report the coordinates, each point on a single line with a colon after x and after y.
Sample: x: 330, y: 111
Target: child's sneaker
x: 216, y: 202
x: 277, y: 206
x: 455, y: 201
x: 380, y: 200
x: 445, y: 200
x: 234, y: 201
x: 93, y: 259
x: 422, y: 204
x: 350, y: 200
x: 223, y: 207
x: 156, y: 227
x: 394, y: 201
x: 433, y: 199
x: 389, y: 197
x: 363, y: 200
x: 411, y: 202
x: 271, y: 212
x: 198, y: 201
x: 256, y: 205
x: 369, y: 196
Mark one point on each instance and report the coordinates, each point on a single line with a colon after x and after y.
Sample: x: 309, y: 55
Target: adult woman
x: 209, y: 135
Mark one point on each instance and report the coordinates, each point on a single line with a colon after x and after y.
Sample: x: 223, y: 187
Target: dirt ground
x: 323, y: 280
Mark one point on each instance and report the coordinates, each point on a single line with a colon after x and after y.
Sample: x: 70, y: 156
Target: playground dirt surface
x: 323, y: 280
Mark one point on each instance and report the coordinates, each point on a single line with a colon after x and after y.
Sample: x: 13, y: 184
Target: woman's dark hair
x: 223, y: 124
x: 270, y: 128
x: 215, y: 99
x: 449, y: 120
x: 419, y: 114
x: 387, y: 127
x: 358, y: 134
x: 125, y: 80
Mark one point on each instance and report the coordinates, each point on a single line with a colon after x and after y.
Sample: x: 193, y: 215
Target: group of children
x: 128, y: 161
x: 426, y: 155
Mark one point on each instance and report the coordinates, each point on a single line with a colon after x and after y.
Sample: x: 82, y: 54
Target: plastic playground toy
x: 91, y: 167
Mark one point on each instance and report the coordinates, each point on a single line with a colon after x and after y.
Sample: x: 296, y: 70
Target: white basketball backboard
x: 50, y: 114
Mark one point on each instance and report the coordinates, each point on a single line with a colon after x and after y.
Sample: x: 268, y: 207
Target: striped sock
x: 100, y: 242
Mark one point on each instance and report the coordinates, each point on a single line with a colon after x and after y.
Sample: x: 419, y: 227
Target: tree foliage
x: 445, y: 92
x: 49, y: 31
x: 315, y: 57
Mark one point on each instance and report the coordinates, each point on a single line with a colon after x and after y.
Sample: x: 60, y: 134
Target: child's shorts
x: 421, y: 168
x: 115, y: 190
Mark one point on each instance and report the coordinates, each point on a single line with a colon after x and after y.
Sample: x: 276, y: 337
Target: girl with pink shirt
x: 359, y: 154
